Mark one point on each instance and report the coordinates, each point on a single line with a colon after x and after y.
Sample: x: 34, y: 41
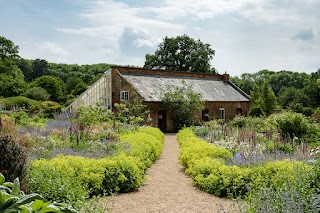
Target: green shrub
x: 256, y: 111
x: 92, y: 115
x: 145, y: 146
x: 51, y: 107
x: 215, y: 177
x: 153, y: 131
x: 73, y: 178
x: 294, y: 124
x: 20, y: 117
x: 56, y: 180
x: 201, y: 131
x: 12, y: 158
x: 12, y: 199
x: 6, y: 123
x: 37, y: 93
x: 122, y: 174
x: 193, y: 148
x: 22, y: 102
x: 239, y: 121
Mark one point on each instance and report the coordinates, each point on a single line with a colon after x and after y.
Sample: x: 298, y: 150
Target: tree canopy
x: 11, y: 78
x: 8, y: 49
x: 181, y: 53
x: 296, y: 91
x: 51, y: 84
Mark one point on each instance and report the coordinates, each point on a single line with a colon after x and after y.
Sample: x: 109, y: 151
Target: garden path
x: 168, y: 189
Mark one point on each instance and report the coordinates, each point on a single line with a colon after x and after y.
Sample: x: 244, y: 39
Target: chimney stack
x: 226, y: 77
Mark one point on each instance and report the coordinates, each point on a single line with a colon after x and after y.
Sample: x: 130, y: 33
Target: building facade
x: 223, y: 100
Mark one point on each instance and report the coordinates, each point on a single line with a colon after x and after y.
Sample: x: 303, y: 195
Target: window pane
x: 222, y: 113
x: 124, y: 95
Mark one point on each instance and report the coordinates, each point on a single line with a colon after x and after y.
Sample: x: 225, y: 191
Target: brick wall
x: 231, y: 109
x: 118, y: 85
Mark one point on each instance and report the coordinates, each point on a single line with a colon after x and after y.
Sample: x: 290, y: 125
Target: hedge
x: 22, y: 102
x: 206, y: 165
x: 71, y: 179
x: 146, y: 144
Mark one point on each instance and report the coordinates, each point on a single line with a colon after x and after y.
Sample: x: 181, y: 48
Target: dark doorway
x: 238, y: 111
x: 205, y: 115
x: 162, y: 120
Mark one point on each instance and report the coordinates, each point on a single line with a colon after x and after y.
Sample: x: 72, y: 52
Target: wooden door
x: 162, y: 120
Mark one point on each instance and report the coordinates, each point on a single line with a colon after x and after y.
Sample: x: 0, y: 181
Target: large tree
x: 40, y: 67
x: 51, y: 84
x: 8, y: 49
x: 11, y: 78
x: 181, y: 53
x: 264, y: 97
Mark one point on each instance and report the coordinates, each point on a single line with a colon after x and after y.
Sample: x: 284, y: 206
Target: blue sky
x: 247, y: 35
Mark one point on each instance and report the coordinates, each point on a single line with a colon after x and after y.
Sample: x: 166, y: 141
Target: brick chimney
x: 226, y: 77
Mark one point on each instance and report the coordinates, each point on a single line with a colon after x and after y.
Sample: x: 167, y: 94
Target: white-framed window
x: 222, y: 113
x: 124, y: 95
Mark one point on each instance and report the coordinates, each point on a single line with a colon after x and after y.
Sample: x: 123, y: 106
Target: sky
x: 247, y: 35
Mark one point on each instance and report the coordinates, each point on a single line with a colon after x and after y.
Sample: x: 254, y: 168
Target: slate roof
x: 148, y: 86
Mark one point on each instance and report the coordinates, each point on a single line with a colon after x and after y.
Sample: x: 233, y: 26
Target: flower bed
x: 71, y: 179
x: 207, y: 166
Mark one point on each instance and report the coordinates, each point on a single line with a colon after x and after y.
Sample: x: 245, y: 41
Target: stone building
x: 224, y: 100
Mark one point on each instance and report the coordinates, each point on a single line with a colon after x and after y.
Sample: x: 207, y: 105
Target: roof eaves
x: 240, y: 90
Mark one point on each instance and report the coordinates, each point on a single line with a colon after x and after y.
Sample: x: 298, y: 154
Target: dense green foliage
x: 12, y: 199
x: 37, y: 93
x: 181, y: 53
x: 298, y: 92
x: 182, y: 102
x: 63, y: 81
x: 73, y: 178
x: 51, y: 84
x: 294, y: 124
x: 263, y: 97
x: 11, y: 78
x: 256, y: 111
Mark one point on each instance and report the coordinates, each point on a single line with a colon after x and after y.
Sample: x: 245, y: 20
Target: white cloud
x: 261, y: 36
x: 51, y: 52
x: 54, y: 49
x: 139, y: 42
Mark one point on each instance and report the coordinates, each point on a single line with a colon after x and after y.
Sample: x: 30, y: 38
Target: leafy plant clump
x: 256, y: 111
x: 12, y: 199
x: 37, y: 93
x: 294, y: 124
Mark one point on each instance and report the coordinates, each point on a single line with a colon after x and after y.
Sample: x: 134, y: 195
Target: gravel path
x: 168, y: 189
